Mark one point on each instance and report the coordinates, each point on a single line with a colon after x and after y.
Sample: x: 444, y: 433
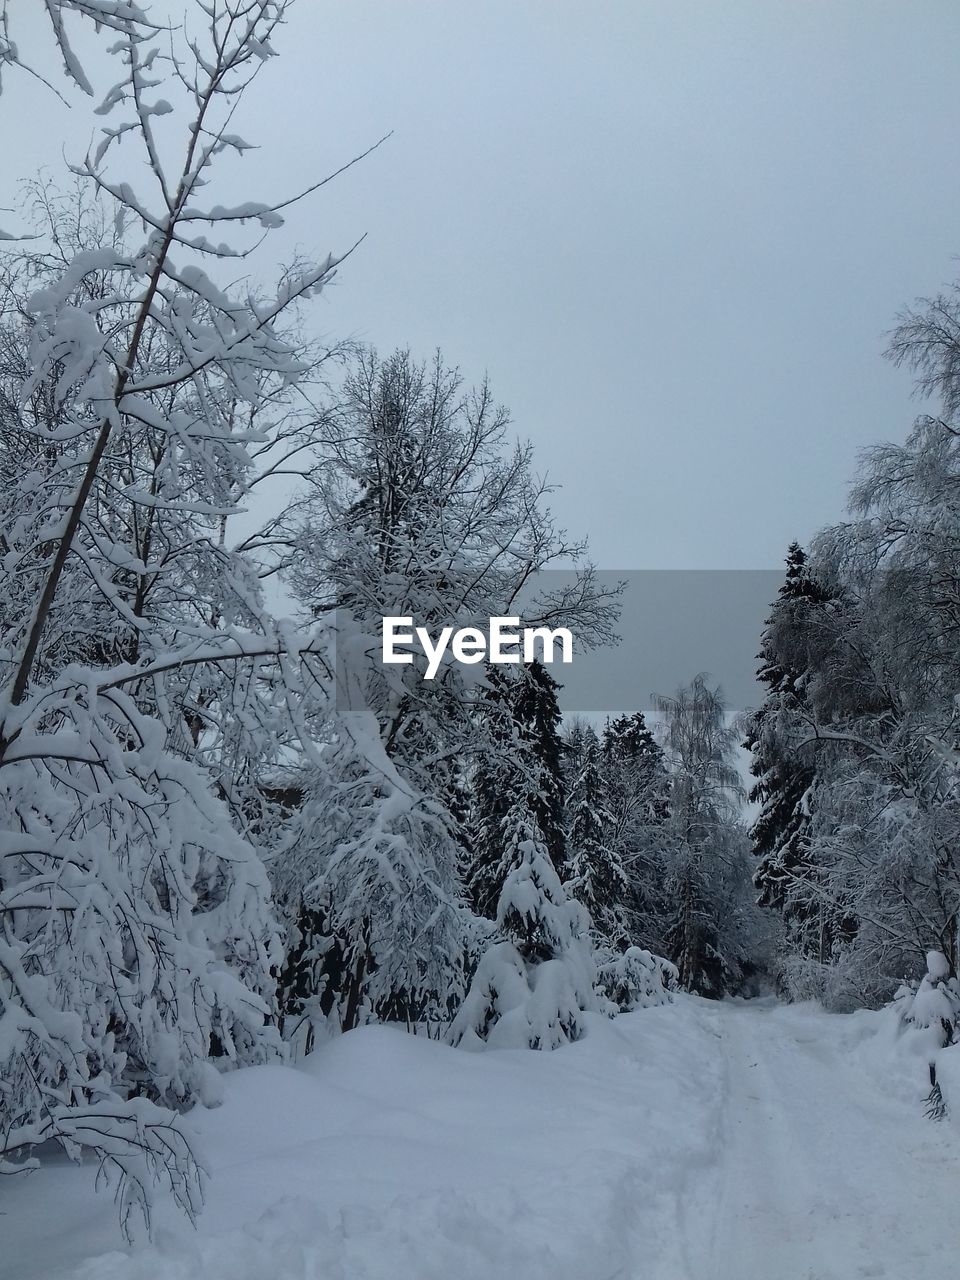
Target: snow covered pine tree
x: 536, y: 977
x: 785, y: 771
x: 595, y: 874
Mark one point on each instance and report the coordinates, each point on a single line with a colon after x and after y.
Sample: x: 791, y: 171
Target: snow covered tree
x: 137, y: 941
x: 571, y: 741
x: 537, y: 714
x: 878, y: 714
x: 521, y: 745
x: 883, y: 813
x: 310, y: 977
x: 425, y: 510
x: 491, y: 782
x: 535, y: 978
x: 630, y: 738
x: 710, y: 926
x: 931, y: 1010
x: 777, y: 833
x: 594, y: 873
x: 784, y: 771
x: 376, y: 868
x: 636, y: 980
x: 638, y: 797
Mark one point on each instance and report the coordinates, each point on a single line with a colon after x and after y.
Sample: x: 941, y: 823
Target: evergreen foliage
x: 785, y: 772
x: 595, y: 874
x: 536, y: 976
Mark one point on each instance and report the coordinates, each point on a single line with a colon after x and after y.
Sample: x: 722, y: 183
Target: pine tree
x: 520, y: 749
x: 537, y: 714
x: 785, y: 773
x: 572, y: 739
x: 638, y: 796
x: 536, y: 976
x: 630, y: 738
x: 595, y: 875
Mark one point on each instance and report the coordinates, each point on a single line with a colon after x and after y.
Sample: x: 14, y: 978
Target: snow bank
x: 391, y: 1157
x: 739, y: 1140
x: 897, y: 1046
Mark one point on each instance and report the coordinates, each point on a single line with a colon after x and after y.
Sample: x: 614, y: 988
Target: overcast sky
x: 673, y: 233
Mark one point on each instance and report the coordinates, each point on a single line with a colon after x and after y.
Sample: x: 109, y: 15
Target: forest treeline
x: 227, y: 830
x: 855, y: 745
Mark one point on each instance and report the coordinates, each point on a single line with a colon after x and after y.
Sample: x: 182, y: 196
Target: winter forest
x: 465, y: 984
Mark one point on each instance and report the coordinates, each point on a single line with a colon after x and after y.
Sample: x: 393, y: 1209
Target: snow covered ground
x: 742, y: 1141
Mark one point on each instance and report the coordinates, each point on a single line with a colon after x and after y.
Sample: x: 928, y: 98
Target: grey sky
x: 675, y: 623
x: 674, y: 233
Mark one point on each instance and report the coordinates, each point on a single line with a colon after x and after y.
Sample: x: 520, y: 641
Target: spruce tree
x: 312, y: 976
x: 638, y: 797
x: 629, y: 737
x: 521, y: 750
x: 490, y: 786
x: 537, y: 714
x: 572, y: 744
x: 536, y: 976
x: 785, y: 773
x: 595, y: 874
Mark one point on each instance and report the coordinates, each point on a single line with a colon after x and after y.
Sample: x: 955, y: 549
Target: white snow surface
x: 695, y: 1141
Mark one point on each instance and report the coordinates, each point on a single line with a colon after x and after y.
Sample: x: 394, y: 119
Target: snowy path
x: 819, y: 1175
x: 742, y: 1141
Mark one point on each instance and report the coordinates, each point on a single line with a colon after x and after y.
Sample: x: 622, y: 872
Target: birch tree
x: 137, y: 941
x: 708, y: 932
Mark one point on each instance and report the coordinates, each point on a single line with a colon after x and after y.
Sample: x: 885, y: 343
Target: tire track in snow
x: 817, y: 1176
